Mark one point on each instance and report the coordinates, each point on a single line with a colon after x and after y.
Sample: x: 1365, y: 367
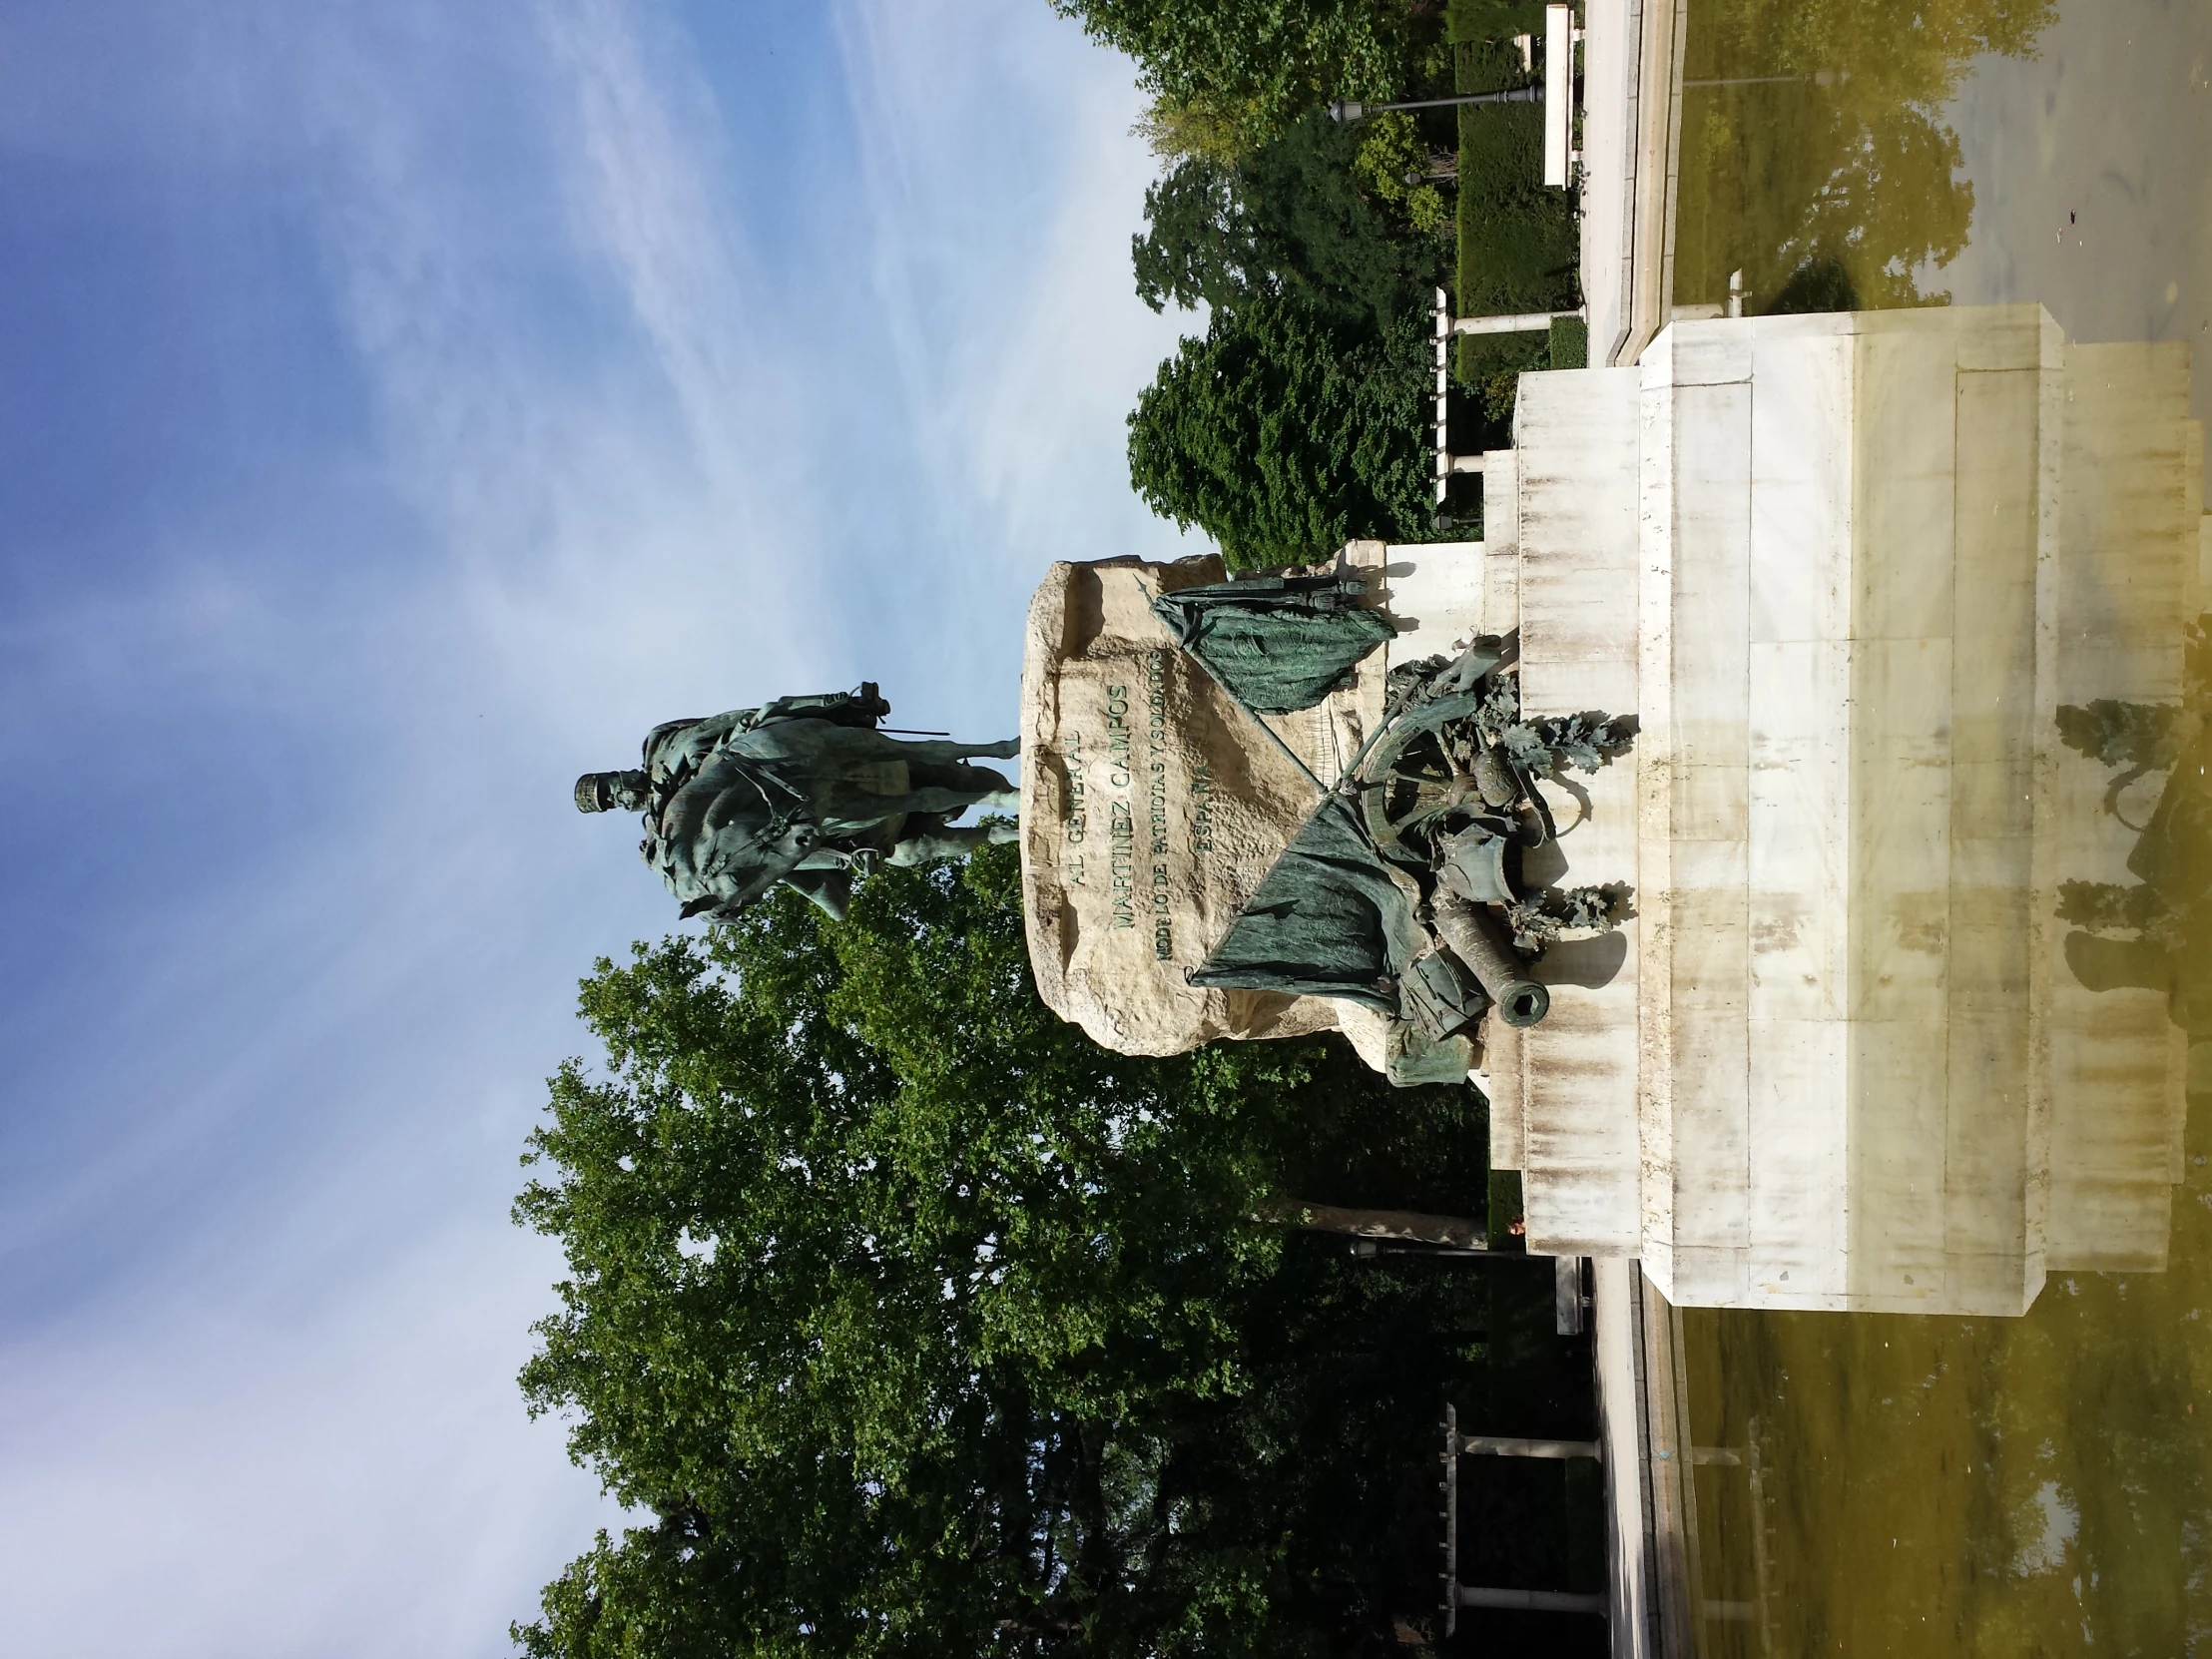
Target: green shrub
x: 1570, y: 342
x: 1288, y: 219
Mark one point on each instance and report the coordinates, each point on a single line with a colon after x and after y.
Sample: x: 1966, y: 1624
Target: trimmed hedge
x: 1520, y: 241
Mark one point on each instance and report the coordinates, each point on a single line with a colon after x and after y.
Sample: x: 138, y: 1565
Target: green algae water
x: 2040, y: 1486
x: 1947, y: 1485
x: 1848, y: 155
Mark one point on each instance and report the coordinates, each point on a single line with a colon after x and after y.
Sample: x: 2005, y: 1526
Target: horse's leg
x: 956, y: 842
x: 979, y: 785
x: 939, y: 751
x: 986, y: 789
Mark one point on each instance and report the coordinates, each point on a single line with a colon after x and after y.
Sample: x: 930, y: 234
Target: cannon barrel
x: 1472, y: 936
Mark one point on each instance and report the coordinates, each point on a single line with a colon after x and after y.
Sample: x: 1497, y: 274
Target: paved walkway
x: 1650, y: 1526
x: 1631, y: 134
x: 1631, y: 147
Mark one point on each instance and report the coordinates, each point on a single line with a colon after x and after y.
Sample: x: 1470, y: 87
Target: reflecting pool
x: 2038, y: 1484
x: 1856, y: 154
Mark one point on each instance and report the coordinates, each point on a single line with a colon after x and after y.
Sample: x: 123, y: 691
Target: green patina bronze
x: 1275, y: 643
x: 804, y: 791
x: 1400, y: 889
x: 1328, y: 919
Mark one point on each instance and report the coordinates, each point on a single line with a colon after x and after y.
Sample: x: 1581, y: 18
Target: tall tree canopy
x: 1294, y: 219
x: 912, y: 1322
x: 1252, y: 65
x: 1280, y: 437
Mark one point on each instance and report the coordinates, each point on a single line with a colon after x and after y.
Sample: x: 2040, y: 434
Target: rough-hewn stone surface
x: 1151, y: 809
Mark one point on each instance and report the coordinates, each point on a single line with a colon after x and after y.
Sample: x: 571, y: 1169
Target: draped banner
x: 1152, y: 808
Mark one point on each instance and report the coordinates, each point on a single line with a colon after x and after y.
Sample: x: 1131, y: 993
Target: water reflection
x: 1937, y: 1485
x: 2042, y: 1485
x: 2151, y: 932
x: 1986, y: 1486
x: 1816, y: 154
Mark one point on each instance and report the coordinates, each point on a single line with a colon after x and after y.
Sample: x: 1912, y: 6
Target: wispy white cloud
x: 582, y: 423
x: 287, y: 1471
x: 638, y: 194
x: 623, y: 452
x: 1003, y: 188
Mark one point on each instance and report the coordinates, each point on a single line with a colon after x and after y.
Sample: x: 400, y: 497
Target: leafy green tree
x: 1249, y: 66
x: 911, y: 1322
x: 1293, y: 219
x: 1396, y: 165
x: 1282, y: 438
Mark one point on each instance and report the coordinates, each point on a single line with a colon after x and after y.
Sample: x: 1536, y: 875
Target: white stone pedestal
x: 1843, y: 567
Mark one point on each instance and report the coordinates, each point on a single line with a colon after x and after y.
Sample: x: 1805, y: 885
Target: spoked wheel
x: 1406, y: 805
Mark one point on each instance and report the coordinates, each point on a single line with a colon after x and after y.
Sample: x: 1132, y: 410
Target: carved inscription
x: 1150, y: 809
x: 1121, y: 827
x: 1156, y: 800
x: 1078, y: 811
x: 1146, y: 782
x: 1201, y: 808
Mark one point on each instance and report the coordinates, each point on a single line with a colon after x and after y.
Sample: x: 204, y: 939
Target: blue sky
x: 403, y: 406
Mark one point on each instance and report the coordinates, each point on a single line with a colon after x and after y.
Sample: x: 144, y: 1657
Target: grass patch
x: 1504, y: 1209
x: 1570, y: 342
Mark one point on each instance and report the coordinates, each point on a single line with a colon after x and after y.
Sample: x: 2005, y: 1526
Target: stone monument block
x: 1849, y: 1045
x: 1859, y: 564
x: 1151, y: 809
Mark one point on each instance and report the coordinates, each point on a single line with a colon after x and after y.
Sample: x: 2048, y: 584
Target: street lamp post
x: 1349, y: 111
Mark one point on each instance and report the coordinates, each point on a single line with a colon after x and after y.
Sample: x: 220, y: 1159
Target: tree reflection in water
x: 1836, y: 189
x: 2153, y: 932
x: 1928, y: 1487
